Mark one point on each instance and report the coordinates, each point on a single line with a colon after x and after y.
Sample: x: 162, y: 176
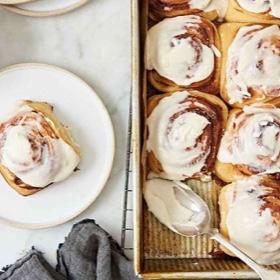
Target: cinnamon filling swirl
x: 258, y: 232
x: 253, y: 67
x: 252, y: 141
x: 31, y: 149
x: 184, y: 134
x: 271, y: 197
x: 182, y: 50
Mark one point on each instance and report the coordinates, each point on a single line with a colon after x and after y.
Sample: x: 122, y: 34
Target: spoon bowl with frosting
x: 176, y: 206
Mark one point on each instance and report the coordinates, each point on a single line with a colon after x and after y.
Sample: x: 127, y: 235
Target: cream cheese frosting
x: 253, y: 62
x: 255, y: 141
x: 38, y: 160
x: 261, y: 6
x: 199, y: 4
x: 163, y: 200
x: 216, y: 5
x: 180, y: 59
x: 175, y: 146
x: 250, y: 227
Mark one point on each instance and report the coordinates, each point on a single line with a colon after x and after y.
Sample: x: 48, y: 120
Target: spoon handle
x: 264, y: 273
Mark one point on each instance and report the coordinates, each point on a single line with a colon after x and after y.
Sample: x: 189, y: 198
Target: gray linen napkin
x: 87, y: 253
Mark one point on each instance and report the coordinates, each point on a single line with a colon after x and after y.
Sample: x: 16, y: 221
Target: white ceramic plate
x: 78, y: 106
x: 8, y: 2
x: 40, y: 8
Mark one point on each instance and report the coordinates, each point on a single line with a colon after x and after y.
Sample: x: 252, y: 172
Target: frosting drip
x: 253, y: 141
x: 261, y: 6
x: 31, y: 150
x: 258, y: 232
x: 253, y: 66
x: 180, y: 49
x: 182, y: 148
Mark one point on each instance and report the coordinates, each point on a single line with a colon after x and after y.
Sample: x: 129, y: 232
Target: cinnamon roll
x: 250, y: 64
x: 184, y: 131
x: 250, y: 217
x: 262, y: 11
x: 210, y: 9
x: 183, y: 53
x: 36, y: 150
x: 251, y: 143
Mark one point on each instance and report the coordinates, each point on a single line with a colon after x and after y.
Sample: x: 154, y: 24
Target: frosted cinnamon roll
x: 36, y: 150
x: 183, y: 53
x: 262, y: 11
x: 251, y: 143
x: 251, y: 63
x: 184, y: 131
x: 210, y: 9
x: 250, y: 217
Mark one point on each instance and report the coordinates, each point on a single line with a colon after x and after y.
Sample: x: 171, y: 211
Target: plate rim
x: 111, y: 137
x: 13, y: 8
x: 14, y: 2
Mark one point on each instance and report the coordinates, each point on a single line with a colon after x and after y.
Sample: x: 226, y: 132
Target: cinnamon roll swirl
x: 183, y: 53
x: 210, y: 9
x: 184, y: 131
x: 262, y: 11
x: 251, y: 143
x: 36, y: 150
x: 251, y: 63
x: 250, y: 217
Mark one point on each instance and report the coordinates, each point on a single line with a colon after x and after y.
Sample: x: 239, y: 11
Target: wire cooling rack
x: 127, y: 219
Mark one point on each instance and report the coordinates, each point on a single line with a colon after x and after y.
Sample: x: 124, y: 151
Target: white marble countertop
x: 94, y: 43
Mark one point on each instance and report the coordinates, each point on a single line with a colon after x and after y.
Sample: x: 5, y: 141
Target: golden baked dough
x: 47, y: 111
x: 269, y: 200
x: 231, y: 172
x: 235, y: 13
x: 216, y: 107
x: 209, y: 36
x: 227, y: 32
x: 60, y: 131
x: 226, y: 171
x: 224, y: 209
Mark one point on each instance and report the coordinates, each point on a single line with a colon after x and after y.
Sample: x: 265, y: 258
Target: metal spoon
x: 189, y: 199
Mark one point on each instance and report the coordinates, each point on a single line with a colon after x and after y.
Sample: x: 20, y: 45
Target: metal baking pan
x: 158, y: 252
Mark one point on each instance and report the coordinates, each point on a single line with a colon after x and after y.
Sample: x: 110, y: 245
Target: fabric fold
x: 88, y: 253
